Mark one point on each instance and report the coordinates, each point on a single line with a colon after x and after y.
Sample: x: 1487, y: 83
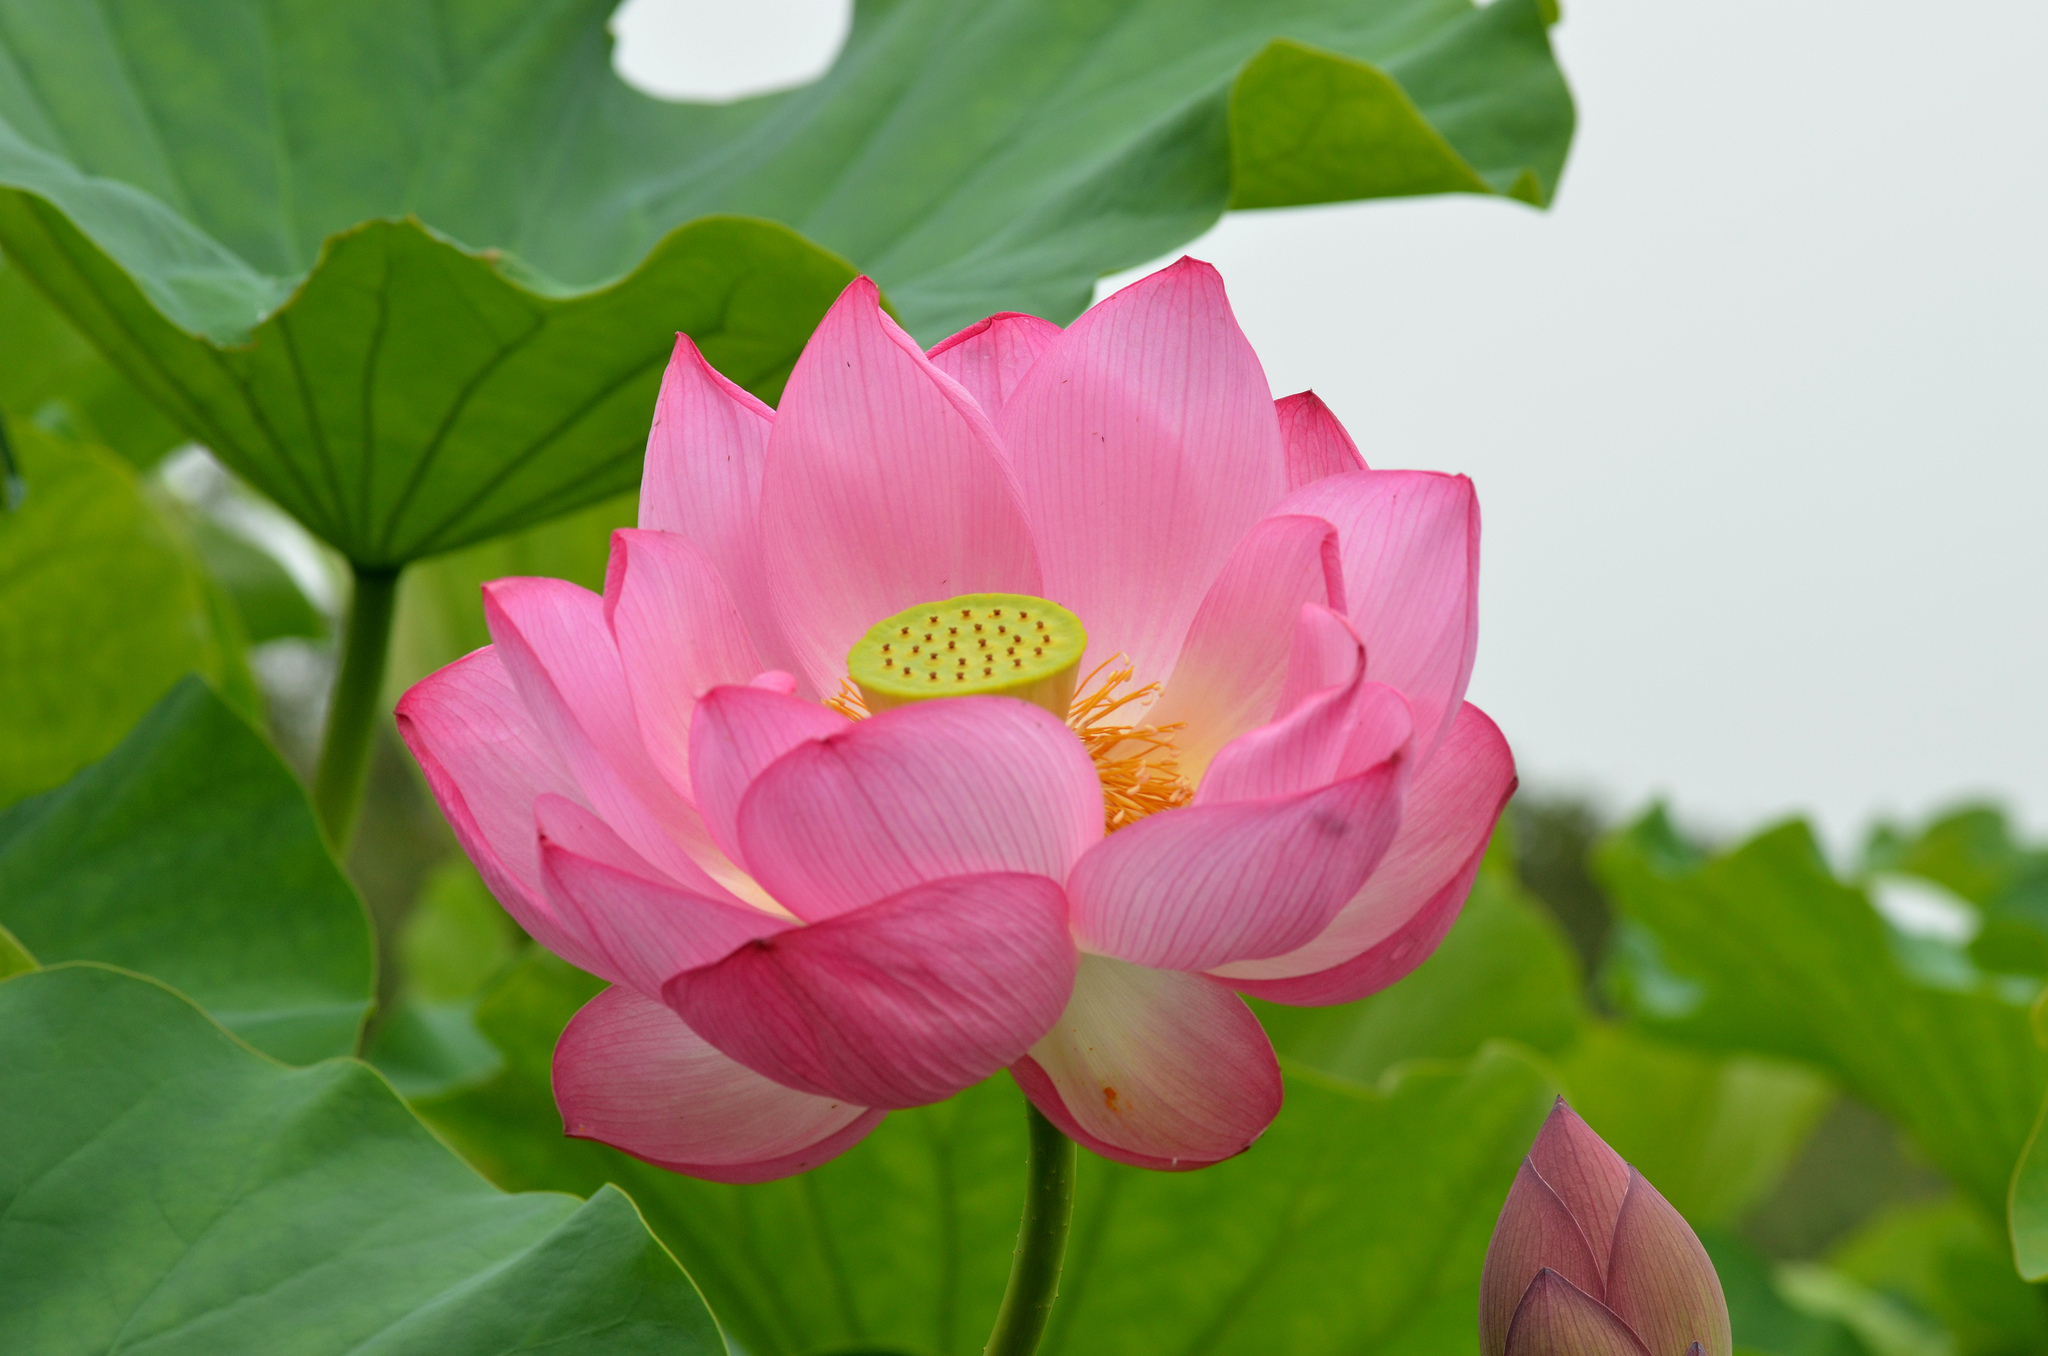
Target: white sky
x: 1758, y: 412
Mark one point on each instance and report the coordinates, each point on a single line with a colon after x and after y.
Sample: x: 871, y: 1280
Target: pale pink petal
x: 1414, y: 894
x: 644, y: 926
x: 1316, y: 443
x: 956, y: 787
x: 487, y: 762
x: 679, y: 635
x: 1661, y: 1281
x: 738, y: 732
x: 884, y: 489
x: 1194, y: 888
x: 704, y: 453
x: 991, y: 356
x: 1154, y: 1068
x: 702, y: 480
x: 1590, y: 1178
x: 1410, y: 542
x: 1335, y: 724
x: 1534, y: 1231
x: 1556, y: 1318
x: 1326, y: 652
x: 1232, y: 668
x: 1335, y: 734
x: 1392, y: 958
x: 899, y: 1004
x: 1146, y: 445
x: 552, y: 639
x: 631, y: 1074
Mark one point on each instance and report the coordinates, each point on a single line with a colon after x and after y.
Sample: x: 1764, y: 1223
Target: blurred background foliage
x: 1827, y: 1066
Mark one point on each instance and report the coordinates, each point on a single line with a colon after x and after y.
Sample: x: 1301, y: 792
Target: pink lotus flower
x: 1588, y: 1260
x: 813, y: 910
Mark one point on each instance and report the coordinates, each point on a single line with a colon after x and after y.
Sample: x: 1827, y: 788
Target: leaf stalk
x: 1041, y: 1241
x: 352, y: 709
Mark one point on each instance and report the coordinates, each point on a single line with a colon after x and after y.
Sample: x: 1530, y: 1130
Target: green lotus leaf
x: 1762, y: 950
x: 50, y: 376
x: 268, y: 600
x: 451, y: 946
x: 1503, y: 972
x: 103, y: 606
x: 14, y: 957
x: 167, y: 1189
x: 1971, y: 851
x: 1714, y: 1132
x: 189, y: 854
x: 413, y: 270
x: 1950, y: 1265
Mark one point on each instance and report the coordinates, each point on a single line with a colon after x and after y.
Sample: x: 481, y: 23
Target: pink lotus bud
x: 1588, y: 1260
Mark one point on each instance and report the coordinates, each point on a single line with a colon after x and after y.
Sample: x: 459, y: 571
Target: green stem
x: 352, y: 711
x: 1041, y: 1241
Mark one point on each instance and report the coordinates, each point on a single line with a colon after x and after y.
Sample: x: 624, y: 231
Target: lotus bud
x: 1588, y: 1260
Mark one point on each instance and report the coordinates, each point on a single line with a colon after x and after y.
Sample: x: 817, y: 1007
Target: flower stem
x: 352, y: 710
x: 1041, y: 1241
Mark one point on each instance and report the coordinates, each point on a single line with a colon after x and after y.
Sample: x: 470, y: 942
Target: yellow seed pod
x: 975, y: 645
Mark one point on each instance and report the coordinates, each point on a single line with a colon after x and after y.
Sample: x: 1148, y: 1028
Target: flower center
x: 976, y: 645
x: 1013, y: 645
x: 1138, y: 764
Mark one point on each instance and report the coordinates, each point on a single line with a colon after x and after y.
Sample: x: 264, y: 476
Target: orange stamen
x: 1138, y: 764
